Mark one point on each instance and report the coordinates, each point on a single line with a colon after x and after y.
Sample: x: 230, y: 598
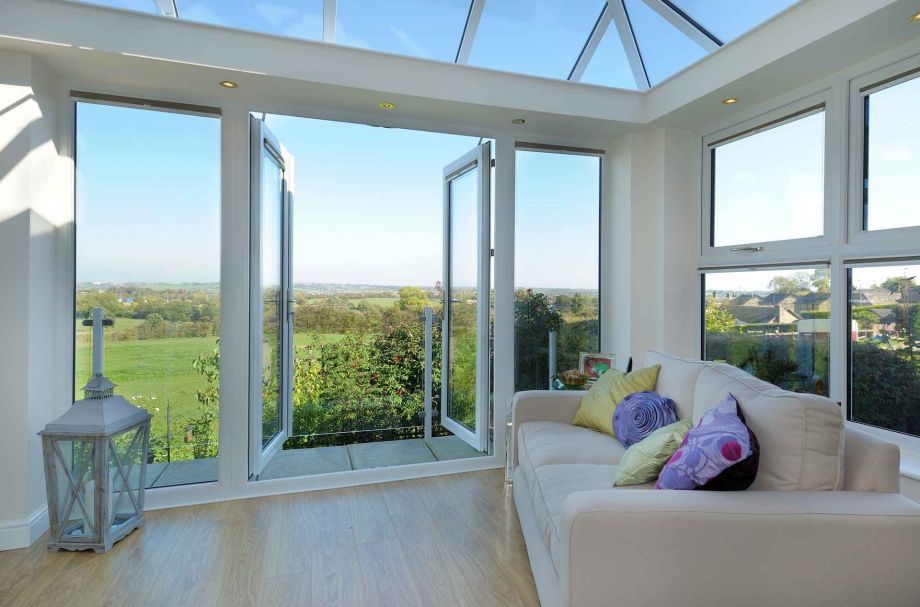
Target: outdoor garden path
x: 446, y: 541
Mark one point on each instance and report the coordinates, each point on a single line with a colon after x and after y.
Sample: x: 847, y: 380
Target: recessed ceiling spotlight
x: 386, y: 105
x: 228, y: 84
x: 518, y: 121
x: 730, y: 101
x: 915, y: 18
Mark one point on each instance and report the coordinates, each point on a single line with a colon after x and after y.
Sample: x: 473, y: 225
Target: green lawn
x: 159, y: 371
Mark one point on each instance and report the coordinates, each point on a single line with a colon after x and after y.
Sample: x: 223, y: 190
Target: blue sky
x: 368, y: 203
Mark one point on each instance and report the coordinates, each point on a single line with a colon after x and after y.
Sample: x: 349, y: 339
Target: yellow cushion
x: 597, y: 406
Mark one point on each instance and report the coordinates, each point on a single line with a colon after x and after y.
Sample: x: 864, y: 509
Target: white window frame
x: 777, y: 250
x: 891, y: 240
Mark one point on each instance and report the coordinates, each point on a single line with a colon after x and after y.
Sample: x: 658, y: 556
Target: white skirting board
x: 22, y: 533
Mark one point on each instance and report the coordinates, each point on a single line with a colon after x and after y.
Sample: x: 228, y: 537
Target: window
x: 884, y: 313
x: 775, y: 324
x: 556, y: 267
x: 148, y: 252
x: 769, y: 186
x: 536, y: 37
x: 891, y: 155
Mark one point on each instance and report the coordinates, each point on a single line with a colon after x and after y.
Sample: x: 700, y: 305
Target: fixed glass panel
x: 463, y: 297
x: 891, y: 178
x: 430, y: 29
x: 294, y: 18
x: 556, y: 264
x: 770, y: 186
x: 664, y: 49
x: 148, y: 252
x: 728, y: 19
x: 774, y: 324
x: 884, y: 312
x: 272, y: 304
x: 609, y: 66
x: 536, y: 37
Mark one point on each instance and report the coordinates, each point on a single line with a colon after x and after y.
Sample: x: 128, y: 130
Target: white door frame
x: 263, y: 141
x: 479, y: 159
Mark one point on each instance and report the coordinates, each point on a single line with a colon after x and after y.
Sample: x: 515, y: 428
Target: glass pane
x: 728, y: 19
x: 144, y: 6
x: 892, y: 178
x: 556, y: 267
x: 774, y: 324
x: 537, y: 37
x: 124, y: 495
x: 294, y: 18
x: 664, y: 49
x: 885, y: 347
x: 463, y: 296
x: 770, y: 186
x: 609, y: 65
x: 148, y: 253
x: 75, y: 460
x: 430, y: 29
x: 272, y: 322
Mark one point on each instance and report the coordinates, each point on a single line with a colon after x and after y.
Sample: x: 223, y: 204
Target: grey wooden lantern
x: 96, y: 463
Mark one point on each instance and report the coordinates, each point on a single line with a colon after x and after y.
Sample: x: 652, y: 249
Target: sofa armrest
x: 541, y: 405
x: 650, y: 547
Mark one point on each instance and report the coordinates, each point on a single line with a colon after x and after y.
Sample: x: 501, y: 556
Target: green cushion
x: 642, y: 463
x: 597, y: 406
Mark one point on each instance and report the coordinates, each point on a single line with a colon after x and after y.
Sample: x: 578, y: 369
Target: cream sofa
x: 823, y: 523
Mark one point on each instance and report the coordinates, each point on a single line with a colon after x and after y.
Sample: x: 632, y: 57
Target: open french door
x: 465, y: 364
x: 271, y: 297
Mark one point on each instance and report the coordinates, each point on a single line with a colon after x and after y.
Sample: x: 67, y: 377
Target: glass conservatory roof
x: 633, y: 44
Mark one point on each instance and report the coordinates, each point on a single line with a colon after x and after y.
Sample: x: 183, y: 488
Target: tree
x: 412, y: 298
x: 898, y: 284
x: 821, y: 281
x: 718, y: 318
x: 204, y: 427
x: 797, y: 283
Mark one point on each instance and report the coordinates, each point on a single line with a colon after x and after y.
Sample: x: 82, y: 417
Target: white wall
x: 33, y: 200
x: 650, y: 273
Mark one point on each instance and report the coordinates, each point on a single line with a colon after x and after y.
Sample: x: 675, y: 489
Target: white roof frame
x: 167, y: 8
x: 469, y: 31
x: 329, y: 20
x: 624, y: 29
x: 594, y: 40
x: 685, y: 24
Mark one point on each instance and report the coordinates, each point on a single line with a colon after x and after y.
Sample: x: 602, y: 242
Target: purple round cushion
x: 640, y: 414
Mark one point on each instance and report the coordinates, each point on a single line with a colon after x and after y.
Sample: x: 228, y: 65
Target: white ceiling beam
x: 624, y: 29
x: 469, y: 31
x: 167, y: 8
x: 683, y: 22
x: 594, y: 40
x: 329, y: 20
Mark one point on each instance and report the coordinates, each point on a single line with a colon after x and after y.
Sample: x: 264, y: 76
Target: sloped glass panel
x: 609, y: 66
x: 728, y: 19
x: 430, y: 29
x: 536, y: 37
x: 294, y: 18
x: 144, y: 6
x: 665, y: 50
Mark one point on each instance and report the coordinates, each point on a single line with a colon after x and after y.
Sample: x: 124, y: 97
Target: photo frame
x: 595, y: 364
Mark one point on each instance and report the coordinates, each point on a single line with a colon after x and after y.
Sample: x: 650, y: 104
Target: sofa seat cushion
x: 551, y: 484
x: 800, y: 435
x: 547, y: 443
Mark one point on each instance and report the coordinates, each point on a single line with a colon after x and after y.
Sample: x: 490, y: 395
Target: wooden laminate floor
x: 443, y: 542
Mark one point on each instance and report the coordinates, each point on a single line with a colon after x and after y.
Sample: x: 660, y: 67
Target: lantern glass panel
x: 75, y: 480
x: 125, y: 454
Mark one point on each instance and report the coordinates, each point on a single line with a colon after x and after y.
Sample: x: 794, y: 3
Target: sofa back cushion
x: 676, y: 379
x: 800, y: 435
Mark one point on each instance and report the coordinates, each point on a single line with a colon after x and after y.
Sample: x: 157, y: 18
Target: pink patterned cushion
x: 720, y: 453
